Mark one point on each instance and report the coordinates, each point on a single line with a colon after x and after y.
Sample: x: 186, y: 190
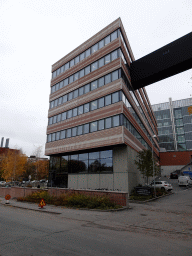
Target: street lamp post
x: 154, y: 136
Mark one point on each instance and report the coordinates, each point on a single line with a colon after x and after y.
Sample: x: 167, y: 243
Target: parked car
x: 2, y: 183
x: 174, y: 175
x: 184, y: 181
x: 163, y: 185
x: 43, y: 180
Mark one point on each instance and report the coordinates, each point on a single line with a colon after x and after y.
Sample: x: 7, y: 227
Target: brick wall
x: 175, y: 158
x: 120, y: 198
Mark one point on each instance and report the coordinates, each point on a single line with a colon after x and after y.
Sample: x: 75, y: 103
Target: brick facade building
x: 96, y: 122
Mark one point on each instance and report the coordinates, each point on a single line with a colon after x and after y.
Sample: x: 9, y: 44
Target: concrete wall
x: 124, y: 178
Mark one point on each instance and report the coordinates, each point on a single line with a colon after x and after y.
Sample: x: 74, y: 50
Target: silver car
x: 163, y: 185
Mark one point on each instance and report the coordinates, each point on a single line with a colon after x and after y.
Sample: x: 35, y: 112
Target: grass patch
x: 72, y: 200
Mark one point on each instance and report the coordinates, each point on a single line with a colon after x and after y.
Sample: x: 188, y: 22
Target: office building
x: 96, y: 122
x: 174, y: 123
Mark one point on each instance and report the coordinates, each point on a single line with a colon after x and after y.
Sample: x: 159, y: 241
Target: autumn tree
x: 13, y: 165
x: 42, y: 167
x: 144, y: 163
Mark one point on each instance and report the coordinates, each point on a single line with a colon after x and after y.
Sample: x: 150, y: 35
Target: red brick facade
x: 175, y: 158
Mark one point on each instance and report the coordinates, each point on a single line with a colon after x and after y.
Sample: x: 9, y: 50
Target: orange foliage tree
x: 13, y: 165
x: 42, y: 169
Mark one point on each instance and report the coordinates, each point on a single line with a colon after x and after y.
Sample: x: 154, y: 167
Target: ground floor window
x: 86, y: 162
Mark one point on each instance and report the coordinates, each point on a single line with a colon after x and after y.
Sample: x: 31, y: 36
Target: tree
x: 145, y: 164
x: 13, y: 165
x: 42, y: 169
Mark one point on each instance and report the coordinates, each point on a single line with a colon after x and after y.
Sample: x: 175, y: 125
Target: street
x: 161, y: 227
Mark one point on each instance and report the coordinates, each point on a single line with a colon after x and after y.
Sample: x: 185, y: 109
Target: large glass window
x: 181, y: 138
x: 70, y: 96
x: 178, y: 113
x: 179, y: 122
x: 66, y: 65
x: 74, y: 131
x: 76, y: 76
x: 75, y: 94
x: 74, y: 112
x: 81, y: 91
x: 180, y: 130
x: 115, y: 121
x: 63, y: 134
x: 81, y: 73
x: 77, y: 59
x: 80, y: 130
x: 108, y: 79
x: 68, y: 133
x: 115, y: 97
x: 69, y: 113
x: 63, y: 116
x: 71, y: 79
x: 82, y: 56
x: 114, y: 55
x: 101, y: 102
x: 115, y: 75
x: 107, y: 100
x: 72, y: 63
x: 107, y: 40
x: 114, y: 35
x: 88, y: 52
x: 101, y: 44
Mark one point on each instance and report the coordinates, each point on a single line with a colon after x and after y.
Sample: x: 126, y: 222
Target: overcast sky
x: 34, y: 34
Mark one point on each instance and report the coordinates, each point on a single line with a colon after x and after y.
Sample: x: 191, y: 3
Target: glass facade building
x: 174, y: 124
x: 94, y: 114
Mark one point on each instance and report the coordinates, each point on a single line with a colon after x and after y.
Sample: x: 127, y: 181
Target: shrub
x: 71, y: 200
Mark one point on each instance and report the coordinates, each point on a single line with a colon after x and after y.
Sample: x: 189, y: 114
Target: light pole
x: 154, y: 136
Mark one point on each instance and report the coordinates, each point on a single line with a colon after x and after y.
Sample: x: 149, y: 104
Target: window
x: 76, y: 76
x: 86, y: 108
x: 86, y: 128
x: 94, y: 105
x: 77, y: 59
x: 114, y: 55
x: 75, y: 94
x: 101, y: 63
x: 50, y: 120
x: 81, y: 73
x: 56, y: 102
x: 115, y: 75
x: 72, y: 63
x: 181, y: 138
x: 81, y: 91
x: 94, y: 48
x: 60, y: 101
x: 179, y: 122
x: 54, y: 119
x: 108, y: 123
x: 178, y: 113
x: 69, y: 113
x: 59, y: 118
x: 66, y: 82
x: 180, y: 130
x: 66, y: 65
x: 74, y: 112
x: 74, y: 131
x: 114, y: 35
x: 49, y: 138
x: 166, y: 123
x: 58, y: 136
x: 87, y: 70
x: 94, y: 85
x: 107, y: 100
x: 71, y: 79
x: 58, y: 71
x: 108, y: 79
x: 101, y: 102
x: 101, y: 81
x: 82, y: 56
x: 62, y: 134
x: 115, y: 121
x: 107, y: 40
x: 52, y: 104
x: 101, y: 125
x: 93, y: 127
x: 107, y: 59
x: 80, y: 130
x: 53, y: 137
x: 94, y: 66
x: 101, y: 44
x: 115, y: 97
x: 64, y: 98
x: 87, y: 88
x: 63, y: 116
x: 80, y: 110
x: 88, y: 52
x: 70, y: 96
x: 68, y: 133
x: 61, y: 85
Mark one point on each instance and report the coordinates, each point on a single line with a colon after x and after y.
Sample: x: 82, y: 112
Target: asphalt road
x: 162, y: 227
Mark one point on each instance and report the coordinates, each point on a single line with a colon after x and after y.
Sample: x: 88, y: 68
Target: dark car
x: 174, y: 175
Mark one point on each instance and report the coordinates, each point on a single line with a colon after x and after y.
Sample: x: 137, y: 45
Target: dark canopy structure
x: 167, y: 61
